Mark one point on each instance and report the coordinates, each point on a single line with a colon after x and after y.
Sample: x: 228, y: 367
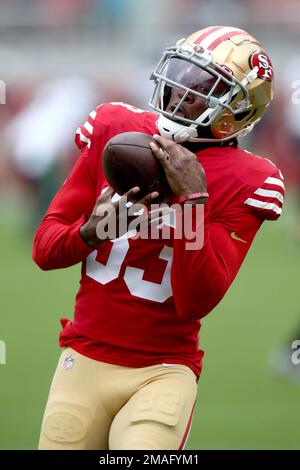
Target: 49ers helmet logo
x: 264, y: 64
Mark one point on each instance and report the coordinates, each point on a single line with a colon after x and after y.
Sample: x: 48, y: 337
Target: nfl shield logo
x: 68, y: 362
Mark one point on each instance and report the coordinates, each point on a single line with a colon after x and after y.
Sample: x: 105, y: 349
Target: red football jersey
x: 140, y: 302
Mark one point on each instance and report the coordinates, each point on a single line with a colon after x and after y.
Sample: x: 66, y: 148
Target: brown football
x: 128, y: 161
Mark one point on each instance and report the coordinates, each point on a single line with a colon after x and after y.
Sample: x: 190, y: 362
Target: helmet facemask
x: 191, y: 70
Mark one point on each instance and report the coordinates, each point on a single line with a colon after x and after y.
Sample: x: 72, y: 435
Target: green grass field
x: 241, y: 404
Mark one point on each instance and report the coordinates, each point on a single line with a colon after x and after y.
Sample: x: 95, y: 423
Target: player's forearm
x: 201, y: 277
x: 58, y: 245
x: 57, y: 242
x: 197, y: 292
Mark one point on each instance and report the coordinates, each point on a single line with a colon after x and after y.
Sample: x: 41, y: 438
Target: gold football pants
x: 100, y: 406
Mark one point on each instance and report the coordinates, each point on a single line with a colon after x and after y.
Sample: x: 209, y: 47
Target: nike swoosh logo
x: 235, y: 237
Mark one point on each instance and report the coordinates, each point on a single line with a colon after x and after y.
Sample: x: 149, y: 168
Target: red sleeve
x: 266, y: 200
x: 201, y: 277
x: 57, y: 242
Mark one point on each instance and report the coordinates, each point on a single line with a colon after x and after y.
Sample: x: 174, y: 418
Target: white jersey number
x: 133, y: 277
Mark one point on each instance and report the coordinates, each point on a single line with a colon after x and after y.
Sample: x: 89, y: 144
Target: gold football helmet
x: 227, y: 70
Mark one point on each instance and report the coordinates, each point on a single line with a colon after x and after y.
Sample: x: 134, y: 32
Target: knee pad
x: 66, y: 423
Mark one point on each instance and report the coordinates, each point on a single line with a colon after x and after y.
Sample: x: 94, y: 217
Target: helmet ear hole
x: 241, y: 116
x: 247, y: 114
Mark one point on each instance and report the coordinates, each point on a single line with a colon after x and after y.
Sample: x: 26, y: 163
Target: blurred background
x: 59, y: 60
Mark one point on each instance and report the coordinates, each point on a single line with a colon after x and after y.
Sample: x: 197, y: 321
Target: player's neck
x: 198, y: 146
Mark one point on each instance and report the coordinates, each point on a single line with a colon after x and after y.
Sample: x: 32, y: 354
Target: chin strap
x: 179, y: 133
x: 174, y: 131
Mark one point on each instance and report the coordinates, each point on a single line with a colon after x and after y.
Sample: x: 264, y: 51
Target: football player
x: 127, y: 376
